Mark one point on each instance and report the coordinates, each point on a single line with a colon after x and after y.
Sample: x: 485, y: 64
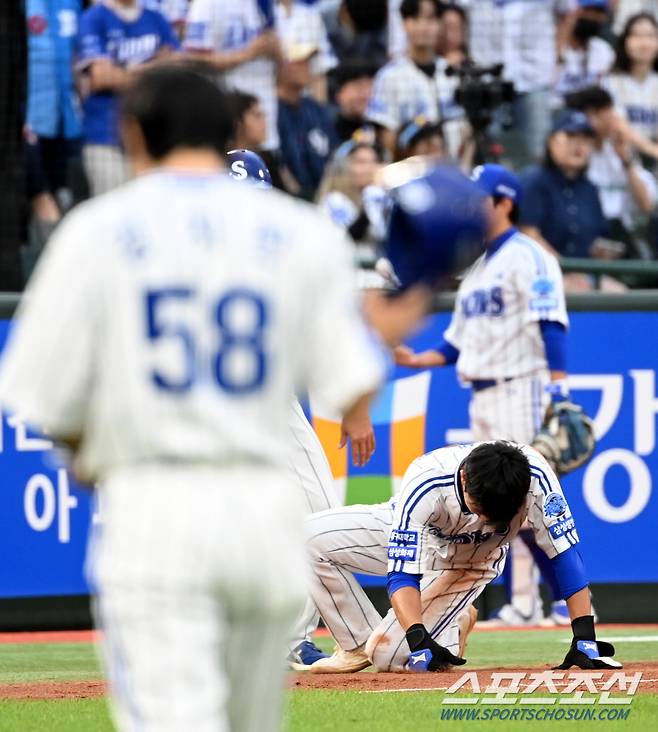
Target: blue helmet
x: 245, y: 165
x: 436, y: 228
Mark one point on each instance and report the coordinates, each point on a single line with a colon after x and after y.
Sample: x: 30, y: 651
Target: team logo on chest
x: 483, y: 302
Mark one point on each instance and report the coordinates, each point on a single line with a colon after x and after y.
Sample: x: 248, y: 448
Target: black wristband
x: 416, y: 636
x: 583, y: 628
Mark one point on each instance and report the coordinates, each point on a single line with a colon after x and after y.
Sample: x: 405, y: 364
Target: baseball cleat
x: 303, y: 656
x: 466, y: 621
x: 342, y: 662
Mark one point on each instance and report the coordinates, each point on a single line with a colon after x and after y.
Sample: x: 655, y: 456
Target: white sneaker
x: 509, y: 617
x: 466, y: 621
x: 342, y: 662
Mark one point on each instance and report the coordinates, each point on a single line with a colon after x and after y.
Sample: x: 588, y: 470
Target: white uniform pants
x: 200, y: 573
x: 355, y: 539
x: 313, y: 476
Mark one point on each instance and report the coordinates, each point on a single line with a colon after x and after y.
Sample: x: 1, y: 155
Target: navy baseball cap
x: 596, y: 4
x: 436, y: 227
x: 572, y: 122
x: 495, y: 180
x: 245, y: 165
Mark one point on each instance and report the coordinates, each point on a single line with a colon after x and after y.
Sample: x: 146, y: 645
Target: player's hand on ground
x: 357, y: 428
x: 426, y: 653
x: 588, y: 654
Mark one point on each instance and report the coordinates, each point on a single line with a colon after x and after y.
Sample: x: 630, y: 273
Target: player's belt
x: 480, y: 384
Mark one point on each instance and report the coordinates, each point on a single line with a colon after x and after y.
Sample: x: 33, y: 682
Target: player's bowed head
x: 436, y: 228
x: 176, y: 114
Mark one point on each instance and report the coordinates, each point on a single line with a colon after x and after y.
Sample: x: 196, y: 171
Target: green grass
x: 317, y: 711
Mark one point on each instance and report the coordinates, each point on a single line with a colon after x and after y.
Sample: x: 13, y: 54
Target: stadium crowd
x: 330, y: 91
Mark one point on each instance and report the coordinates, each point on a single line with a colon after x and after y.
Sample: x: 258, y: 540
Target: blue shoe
x: 303, y: 656
x: 560, y: 613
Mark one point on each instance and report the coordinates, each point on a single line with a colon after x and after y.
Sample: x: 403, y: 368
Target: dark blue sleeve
x: 534, y: 201
x: 397, y: 580
x: 555, y: 344
x: 569, y: 572
x: 450, y: 353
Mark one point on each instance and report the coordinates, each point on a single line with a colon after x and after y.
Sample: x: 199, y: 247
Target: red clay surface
x: 363, y: 682
x: 378, y: 682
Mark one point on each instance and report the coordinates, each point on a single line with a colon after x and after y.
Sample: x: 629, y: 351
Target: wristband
x: 559, y: 390
x: 583, y: 628
x: 416, y: 636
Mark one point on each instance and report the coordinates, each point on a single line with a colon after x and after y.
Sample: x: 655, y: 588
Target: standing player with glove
x: 507, y: 338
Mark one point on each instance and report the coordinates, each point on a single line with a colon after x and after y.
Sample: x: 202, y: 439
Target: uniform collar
x: 494, y: 245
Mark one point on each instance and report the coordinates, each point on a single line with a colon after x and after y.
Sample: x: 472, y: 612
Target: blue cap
x: 245, y: 165
x: 572, y: 121
x: 436, y: 227
x: 598, y: 4
x: 495, y: 180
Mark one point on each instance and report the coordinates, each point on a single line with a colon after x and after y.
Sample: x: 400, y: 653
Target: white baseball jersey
x: 637, y: 100
x: 228, y: 25
x: 432, y: 527
x: 520, y: 34
x: 173, y: 318
x: 581, y: 68
x: 608, y: 174
x: 504, y: 295
x: 402, y: 91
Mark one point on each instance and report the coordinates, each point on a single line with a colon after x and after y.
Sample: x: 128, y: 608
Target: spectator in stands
x: 240, y: 41
x: 353, y: 85
x: 416, y: 84
x: 358, y: 29
x: 626, y: 189
x: 350, y: 197
x: 586, y: 54
x: 633, y: 82
x: 452, y: 43
x: 305, y: 128
x: 298, y: 22
x: 522, y: 36
x: 53, y: 126
x: 561, y: 207
x: 420, y: 137
x: 116, y: 38
x: 250, y: 124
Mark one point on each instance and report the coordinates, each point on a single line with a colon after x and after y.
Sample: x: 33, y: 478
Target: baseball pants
x: 355, y: 539
x: 514, y: 410
x: 313, y: 475
x: 200, y: 572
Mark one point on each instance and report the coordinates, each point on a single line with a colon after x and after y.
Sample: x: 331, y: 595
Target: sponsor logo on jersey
x: 555, y: 505
x: 406, y: 553
x: 543, y: 297
x: 403, y: 537
x: 483, y: 302
x: 475, y: 537
x: 561, y: 528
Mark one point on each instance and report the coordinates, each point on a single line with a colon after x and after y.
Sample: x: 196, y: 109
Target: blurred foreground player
x: 166, y: 327
x: 308, y: 462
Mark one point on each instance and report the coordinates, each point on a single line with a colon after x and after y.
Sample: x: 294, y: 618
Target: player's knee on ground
x: 380, y: 649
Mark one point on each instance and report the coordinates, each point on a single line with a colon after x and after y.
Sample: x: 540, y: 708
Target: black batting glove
x: 426, y: 653
x: 585, y: 651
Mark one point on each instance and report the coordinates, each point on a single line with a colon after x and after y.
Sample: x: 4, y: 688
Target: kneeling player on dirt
x: 441, y: 541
